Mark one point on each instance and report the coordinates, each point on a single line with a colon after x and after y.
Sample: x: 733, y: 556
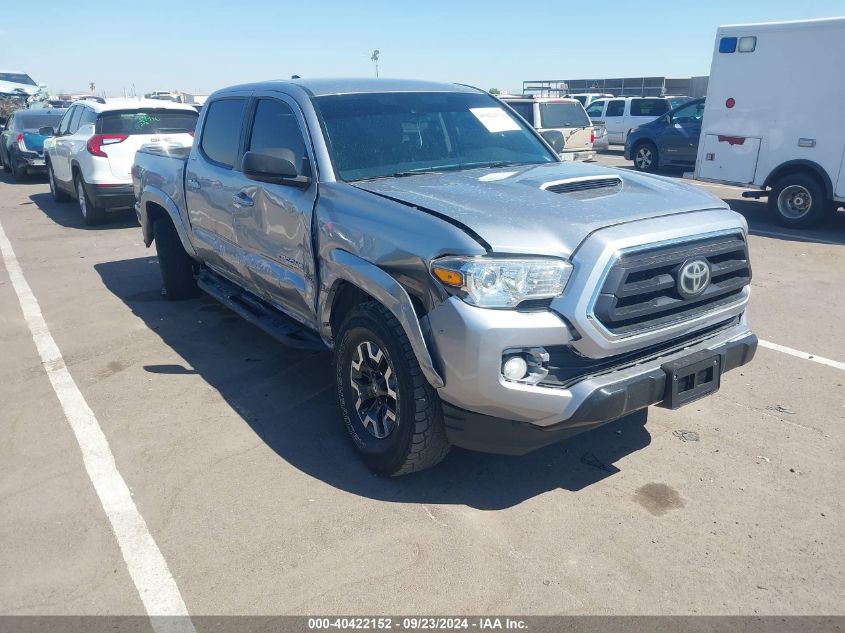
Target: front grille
x: 566, y: 366
x: 574, y: 186
x: 641, y: 289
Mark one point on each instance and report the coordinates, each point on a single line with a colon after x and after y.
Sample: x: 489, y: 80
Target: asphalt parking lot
x: 241, y: 469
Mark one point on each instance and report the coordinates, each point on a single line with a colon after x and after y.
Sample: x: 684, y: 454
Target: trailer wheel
x: 798, y: 201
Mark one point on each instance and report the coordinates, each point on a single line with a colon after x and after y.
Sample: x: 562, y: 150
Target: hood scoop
x: 599, y: 186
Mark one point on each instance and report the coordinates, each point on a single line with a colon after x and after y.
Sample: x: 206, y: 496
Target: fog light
x: 515, y: 368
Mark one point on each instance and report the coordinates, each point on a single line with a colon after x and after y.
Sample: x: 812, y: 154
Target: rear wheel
x: 798, y: 201
x: 645, y: 157
x: 6, y: 167
x: 177, y: 267
x: 91, y: 214
x: 18, y: 171
x: 393, y: 415
x: 59, y: 195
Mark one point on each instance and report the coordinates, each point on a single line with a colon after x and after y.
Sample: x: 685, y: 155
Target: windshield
x: 553, y: 115
x: 147, y: 121
x: 385, y: 134
x: 37, y: 121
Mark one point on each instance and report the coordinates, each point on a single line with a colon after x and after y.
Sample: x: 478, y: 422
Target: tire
x: 18, y: 172
x: 6, y: 166
x: 645, y: 157
x: 415, y: 438
x: 798, y: 201
x: 177, y: 267
x: 91, y: 214
x: 59, y: 195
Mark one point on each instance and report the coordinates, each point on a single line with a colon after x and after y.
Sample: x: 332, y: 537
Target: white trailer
x: 774, y: 119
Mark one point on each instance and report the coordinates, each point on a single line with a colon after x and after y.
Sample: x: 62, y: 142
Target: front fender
x: 341, y: 265
x: 154, y: 195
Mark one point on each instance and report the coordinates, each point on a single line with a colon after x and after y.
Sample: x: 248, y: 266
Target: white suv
x: 620, y: 115
x: 90, y: 156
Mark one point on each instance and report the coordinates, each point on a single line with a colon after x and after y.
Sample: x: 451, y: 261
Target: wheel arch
x: 349, y: 280
x: 155, y: 204
x: 801, y: 166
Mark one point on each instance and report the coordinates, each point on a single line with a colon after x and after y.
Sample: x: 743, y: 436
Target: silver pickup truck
x: 476, y: 290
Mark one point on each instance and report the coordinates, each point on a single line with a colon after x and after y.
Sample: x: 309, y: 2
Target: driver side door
x: 679, y: 141
x: 273, y: 223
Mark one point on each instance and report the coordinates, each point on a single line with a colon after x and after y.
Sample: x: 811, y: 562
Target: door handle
x: 193, y: 184
x: 241, y: 200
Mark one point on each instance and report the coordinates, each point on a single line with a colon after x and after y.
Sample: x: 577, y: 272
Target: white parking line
x: 799, y: 354
x: 144, y: 560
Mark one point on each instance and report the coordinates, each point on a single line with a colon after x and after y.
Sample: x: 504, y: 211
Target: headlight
x: 502, y: 282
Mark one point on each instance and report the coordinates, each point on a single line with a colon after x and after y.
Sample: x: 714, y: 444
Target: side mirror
x: 275, y: 166
x: 555, y: 139
x: 47, y: 130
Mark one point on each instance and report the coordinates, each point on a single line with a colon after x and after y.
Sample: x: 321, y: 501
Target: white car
x: 623, y: 114
x: 586, y: 98
x: 90, y: 156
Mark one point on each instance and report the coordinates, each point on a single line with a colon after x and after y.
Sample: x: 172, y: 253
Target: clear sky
x: 201, y: 46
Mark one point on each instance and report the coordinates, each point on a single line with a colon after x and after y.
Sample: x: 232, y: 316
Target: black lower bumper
x: 111, y: 196
x: 484, y: 433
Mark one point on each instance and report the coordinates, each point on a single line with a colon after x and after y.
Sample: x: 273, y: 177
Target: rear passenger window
x: 88, y: 117
x: 525, y: 110
x: 275, y: 128
x: 649, y: 107
x: 615, y: 108
x: 222, y: 131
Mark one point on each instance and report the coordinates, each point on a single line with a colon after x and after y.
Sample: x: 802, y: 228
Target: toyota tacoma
x: 475, y: 290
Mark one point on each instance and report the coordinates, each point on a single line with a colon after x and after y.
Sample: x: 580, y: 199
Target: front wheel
x: 393, y: 415
x: 59, y: 195
x: 645, y: 157
x: 798, y: 201
x: 91, y: 214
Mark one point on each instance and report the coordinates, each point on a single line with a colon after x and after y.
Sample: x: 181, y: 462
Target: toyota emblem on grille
x: 693, y: 278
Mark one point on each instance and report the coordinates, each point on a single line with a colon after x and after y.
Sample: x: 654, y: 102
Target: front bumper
x: 111, y: 196
x: 596, y: 401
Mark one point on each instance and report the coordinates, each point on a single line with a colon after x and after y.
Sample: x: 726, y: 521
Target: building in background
x: 620, y: 87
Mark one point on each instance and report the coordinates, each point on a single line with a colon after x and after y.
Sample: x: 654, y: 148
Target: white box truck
x: 775, y: 116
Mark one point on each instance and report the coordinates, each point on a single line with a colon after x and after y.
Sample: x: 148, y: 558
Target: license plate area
x: 691, y: 378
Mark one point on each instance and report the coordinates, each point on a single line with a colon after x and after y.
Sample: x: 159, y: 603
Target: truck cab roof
x: 335, y: 86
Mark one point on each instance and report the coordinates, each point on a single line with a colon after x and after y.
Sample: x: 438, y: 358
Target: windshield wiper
x: 494, y: 164
x: 415, y: 172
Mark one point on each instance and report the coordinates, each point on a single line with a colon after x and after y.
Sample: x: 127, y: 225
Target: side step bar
x: 259, y: 312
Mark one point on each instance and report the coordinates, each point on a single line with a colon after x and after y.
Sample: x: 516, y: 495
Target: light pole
x: 374, y: 59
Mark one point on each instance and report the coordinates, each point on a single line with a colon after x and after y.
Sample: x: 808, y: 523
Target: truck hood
x: 546, y: 209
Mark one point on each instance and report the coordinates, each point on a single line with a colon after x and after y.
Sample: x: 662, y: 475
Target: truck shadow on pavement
x: 287, y: 397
